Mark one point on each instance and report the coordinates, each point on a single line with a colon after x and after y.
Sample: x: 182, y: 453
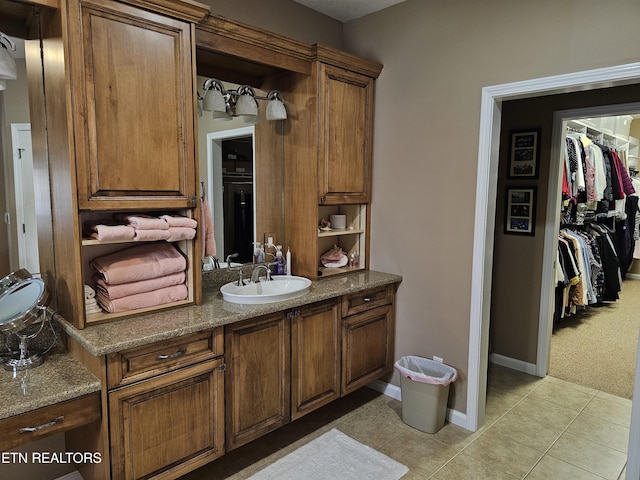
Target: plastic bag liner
x: 424, y: 370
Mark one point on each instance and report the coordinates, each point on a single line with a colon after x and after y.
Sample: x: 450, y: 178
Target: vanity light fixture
x: 8, y: 70
x: 226, y: 104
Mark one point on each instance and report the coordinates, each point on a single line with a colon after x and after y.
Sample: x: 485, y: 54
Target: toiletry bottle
x: 279, y: 260
x: 261, y: 255
x: 288, y: 262
x: 256, y: 252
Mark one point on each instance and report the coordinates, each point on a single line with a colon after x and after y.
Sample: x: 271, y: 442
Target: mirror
x: 241, y: 167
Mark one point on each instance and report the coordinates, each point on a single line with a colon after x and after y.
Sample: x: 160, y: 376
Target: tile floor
x: 536, y: 429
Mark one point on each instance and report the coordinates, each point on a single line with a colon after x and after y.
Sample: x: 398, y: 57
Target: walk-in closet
x: 597, y: 284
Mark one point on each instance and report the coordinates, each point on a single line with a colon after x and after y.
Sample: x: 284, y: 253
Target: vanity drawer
x: 363, y: 301
x: 135, y: 364
x: 30, y: 426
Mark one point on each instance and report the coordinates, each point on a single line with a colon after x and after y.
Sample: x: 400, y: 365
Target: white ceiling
x: 345, y: 10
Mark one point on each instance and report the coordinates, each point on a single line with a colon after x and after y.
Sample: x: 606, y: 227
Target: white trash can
x: 425, y: 391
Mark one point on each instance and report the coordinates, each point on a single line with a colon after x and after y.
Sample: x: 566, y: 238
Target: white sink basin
x: 278, y: 289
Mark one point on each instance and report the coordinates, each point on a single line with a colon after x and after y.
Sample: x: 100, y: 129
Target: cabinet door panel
x: 315, y: 370
x: 345, y: 149
x: 134, y: 118
x: 367, y: 347
x: 168, y: 424
x: 258, y: 389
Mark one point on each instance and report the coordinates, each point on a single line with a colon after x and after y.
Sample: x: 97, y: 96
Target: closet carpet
x: 597, y: 347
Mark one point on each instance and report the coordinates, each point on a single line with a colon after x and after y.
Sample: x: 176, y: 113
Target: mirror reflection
x: 241, y: 161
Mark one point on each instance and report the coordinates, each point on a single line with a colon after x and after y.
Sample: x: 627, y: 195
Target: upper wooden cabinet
x: 346, y: 130
x: 133, y: 106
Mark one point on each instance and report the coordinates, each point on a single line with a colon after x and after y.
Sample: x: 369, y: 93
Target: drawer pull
x: 179, y: 353
x: 367, y: 299
x: 53, y: 422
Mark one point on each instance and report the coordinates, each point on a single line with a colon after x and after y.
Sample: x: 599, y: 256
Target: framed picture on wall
x: 523, y: 161
x: 520, y: 216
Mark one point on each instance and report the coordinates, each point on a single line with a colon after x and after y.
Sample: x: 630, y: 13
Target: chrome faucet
x: 255, y: 273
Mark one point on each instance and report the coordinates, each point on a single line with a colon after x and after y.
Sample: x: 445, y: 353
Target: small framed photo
x: 520, y: 215
x: 523, y: 162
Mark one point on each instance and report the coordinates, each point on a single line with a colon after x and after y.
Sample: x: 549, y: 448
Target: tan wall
x: 284, y: 17
x: 437, y: 57
x: 14, y: 108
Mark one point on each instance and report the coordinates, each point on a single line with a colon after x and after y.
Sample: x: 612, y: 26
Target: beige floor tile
x: 590, y: 456
x: 550, y: 468
x: 419, y: 451
x: 373, y: 427
x: 609, y: 410
x: 503, y: 454
x: 455, y: 436
x: 465, y: 467
x: 614, y: 398
x: 572, y: 386
x: 502, y: 379
x: 567, y: 397
x: 499, y: 403
x: 623, y: 474
x: 600, y: 431
x: 527, y: 431
x: 546, y: 412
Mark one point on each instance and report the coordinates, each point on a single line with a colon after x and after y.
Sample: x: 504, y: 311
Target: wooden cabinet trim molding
x: 253, y: 44
x: 338, y: 58
x: 183, y: 9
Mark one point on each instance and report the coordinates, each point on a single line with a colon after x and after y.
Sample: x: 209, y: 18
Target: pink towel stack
x: 139, y: 277
x: 146, y: 227
x: 106, y: 231
x: 180, y: 228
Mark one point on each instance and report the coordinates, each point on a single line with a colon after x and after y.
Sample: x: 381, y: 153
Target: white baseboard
x: 513, y: 364
x: 390, y: 390
x: 635, y: 276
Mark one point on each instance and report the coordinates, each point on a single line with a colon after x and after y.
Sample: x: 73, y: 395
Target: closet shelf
x: 333, y: 233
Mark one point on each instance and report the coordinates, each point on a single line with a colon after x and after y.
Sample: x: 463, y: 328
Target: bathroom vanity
x: 203, y: 380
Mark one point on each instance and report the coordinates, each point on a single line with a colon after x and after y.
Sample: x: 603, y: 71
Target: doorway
x: 25, y: 223
x: 489, y: 139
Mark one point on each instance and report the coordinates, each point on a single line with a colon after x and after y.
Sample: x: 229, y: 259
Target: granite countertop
x: 59, y: 378
x: 111, y: 337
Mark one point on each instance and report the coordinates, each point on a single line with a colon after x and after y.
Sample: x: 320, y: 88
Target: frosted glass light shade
x: 8, y: 70
x: 276, y: 110
x: 214, y: 101
x: 3, y: 85
x: 246, y: 105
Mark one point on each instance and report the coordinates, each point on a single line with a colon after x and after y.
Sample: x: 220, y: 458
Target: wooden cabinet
x: 368, y: 327
x: 258, y: 380
x: 328, y: 158
x: 166, y: 406
x: 315, y: 354
x: 346, y: 135
x: 133, y: 97
x: 120, y: 97
x: 166, y: 426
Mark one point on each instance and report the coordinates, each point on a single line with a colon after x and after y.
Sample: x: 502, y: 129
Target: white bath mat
x: 333, y: 456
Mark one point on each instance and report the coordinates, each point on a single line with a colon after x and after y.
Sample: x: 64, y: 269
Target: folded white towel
x: 89, y: 292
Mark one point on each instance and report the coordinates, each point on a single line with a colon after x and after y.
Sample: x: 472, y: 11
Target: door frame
x: 484, y: 226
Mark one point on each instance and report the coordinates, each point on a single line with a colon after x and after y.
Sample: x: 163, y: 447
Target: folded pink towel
x: 181, y: 233
x: 143, y: 300
x: 150, y: 235
x: 179, y: 221
x: 110, y: 233
x: 142, y: 262
x: 105, y: 231
x: 112, y: 292
x: 206, y: 230
x: 141, y: 221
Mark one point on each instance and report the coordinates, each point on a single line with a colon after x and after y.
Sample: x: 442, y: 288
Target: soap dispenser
x: 258, y: 253
x: 279, y: 261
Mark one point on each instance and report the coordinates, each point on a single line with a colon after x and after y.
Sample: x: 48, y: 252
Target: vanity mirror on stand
x: 23, y: 312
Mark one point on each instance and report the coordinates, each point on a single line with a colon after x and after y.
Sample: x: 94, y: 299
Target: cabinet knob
x: 179, y: 353
x: 50, y: 424
x: 323, y: 198
x: 193, y: 201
